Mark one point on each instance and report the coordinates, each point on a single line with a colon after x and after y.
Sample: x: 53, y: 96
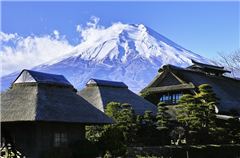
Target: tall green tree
x: 162, y: 120
x: 113, y: 110
x: 233, y: 127
x: 112, y: 141
x: 187, y: 114
x: 209, y: 100
x: 128, y: 122
x: 94, y: 132
x: 197, y: 114
x: 149, y: 129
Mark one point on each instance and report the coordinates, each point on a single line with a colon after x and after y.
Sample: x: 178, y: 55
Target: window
x: 171, y: 98
x: 60, y: 139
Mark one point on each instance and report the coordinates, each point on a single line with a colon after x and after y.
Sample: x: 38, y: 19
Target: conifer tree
x: 113, y: 110
x: 187, y: 114
x: 209, y: 100
x: 197, y: 114
x: 149, y: 127
x: 162, y: 120
x: 94, y: 132
x: 233, y: 127
x: 128, y: 122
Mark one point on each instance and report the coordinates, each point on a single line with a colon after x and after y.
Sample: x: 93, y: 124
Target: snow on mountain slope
x: 123, y: 52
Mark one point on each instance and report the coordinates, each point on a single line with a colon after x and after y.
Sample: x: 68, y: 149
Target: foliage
x: 149, y: 97
x: 162, y: 116
x: 109, y: 137
x: 128, y: 123
x: 233, y: 127
x: 94, y: 132
x: 84, y: 148
x: 197, y: 114
x: 112, y: 140
x: 149, y: 130
x: 162, y: 121
x: 59, y: 152
x: 113, y: 110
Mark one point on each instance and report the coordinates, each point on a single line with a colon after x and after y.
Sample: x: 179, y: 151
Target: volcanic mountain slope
x: 122, y: 52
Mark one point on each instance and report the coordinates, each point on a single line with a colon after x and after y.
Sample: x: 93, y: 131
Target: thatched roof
x: 207, y: 68
x: 101, y: 94
x: 27, y: 76
x: 172, y: 78
x: 48, y: 101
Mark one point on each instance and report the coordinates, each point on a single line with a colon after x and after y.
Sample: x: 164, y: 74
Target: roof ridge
x: 99, y: 82
x: 30, y: 76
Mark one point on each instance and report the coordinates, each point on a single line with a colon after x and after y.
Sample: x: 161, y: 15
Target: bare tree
x: 230, y: 60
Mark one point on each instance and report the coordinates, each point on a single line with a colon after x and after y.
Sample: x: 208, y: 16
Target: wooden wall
x: 32, y: 139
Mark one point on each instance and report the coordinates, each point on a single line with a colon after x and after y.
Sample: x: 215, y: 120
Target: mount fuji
x: 131, y: 53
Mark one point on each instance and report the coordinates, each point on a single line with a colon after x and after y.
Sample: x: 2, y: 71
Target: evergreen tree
x: 94, y: 132
x: 112, y: 141
x: 187, y: 114
x: 209, y: 100
x: 149, y: 128
x: 233, y: 127
x: 113, y: 110
x: 162, y: 120
x: 128, y: 122
x: 197, y: 114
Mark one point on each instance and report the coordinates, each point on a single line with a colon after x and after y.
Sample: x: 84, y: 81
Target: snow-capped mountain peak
x: 131, y: 53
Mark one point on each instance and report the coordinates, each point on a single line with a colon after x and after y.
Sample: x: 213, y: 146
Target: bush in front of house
x: 84, y: 148
x: 59, y: 152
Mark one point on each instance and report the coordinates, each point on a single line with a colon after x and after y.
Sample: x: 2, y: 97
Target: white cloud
x: 56, y: 33
x: 93, y: 31
x: 79, y: 28
x: 19, y: 52
x: 27, y: 52
x: 7, y: 37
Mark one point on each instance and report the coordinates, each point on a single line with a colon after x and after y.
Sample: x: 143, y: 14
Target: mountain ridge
x: 131, y: 53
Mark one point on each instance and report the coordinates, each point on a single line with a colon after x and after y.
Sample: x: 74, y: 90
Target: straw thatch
x: 208, y: 68
x: 48, y: 101
x: 99, y: 93
x: 172, y: 78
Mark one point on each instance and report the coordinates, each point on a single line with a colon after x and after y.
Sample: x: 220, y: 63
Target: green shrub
x: 59, y: 152
x: 84, y: 148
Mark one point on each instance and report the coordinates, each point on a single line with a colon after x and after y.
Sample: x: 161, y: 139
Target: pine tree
x: 197, y: 114
x: 162, y: 120
x: 209, y: 100
x: 187, y: 110
x: 233, y: 127
x: 128, y: 122
x: 113, y: 110
x: 94, y: 132
x: 149, y: 128
x: 112, y: 141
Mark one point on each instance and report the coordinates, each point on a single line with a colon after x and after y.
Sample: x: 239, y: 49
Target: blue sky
x: 204, y: 28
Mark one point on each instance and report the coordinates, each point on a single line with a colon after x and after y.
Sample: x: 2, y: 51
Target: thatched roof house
x: 100, y: 92
x: 41, y: 107
x: 172, y: 82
